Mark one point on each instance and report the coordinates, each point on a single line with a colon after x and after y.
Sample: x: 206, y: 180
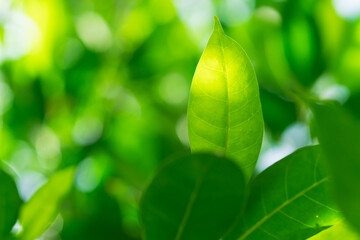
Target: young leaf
x: 41, y: 210
x: 339, y: 136
x: 9, y: 204
x: 289, y: 200
x: 194, y: 197
x: 224, y: 112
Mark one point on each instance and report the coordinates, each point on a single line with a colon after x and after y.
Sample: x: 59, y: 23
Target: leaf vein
x: 267, y: 217
x: 320, y: 203
x: 207, y: 140
x: 192, y: 201
x: 227, y: 92
x: 212, y: 68
x: 208, y: 95
x: 268, y: 233
x: 202, y: 119
x: 295, y: 219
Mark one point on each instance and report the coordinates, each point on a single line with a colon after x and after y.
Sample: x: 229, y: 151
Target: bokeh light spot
x: 182, y: 130
x: 326, y: 88
x: 48, y: 147
x: 94, y: 32
x: 235, y: 12
x: 87, y: 130
x: 348, y: 9
x: 295, y: 136
x: 20, y: 35
x: 174, y: 89
x: 90, y: 173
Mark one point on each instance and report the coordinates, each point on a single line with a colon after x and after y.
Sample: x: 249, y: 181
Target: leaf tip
x: 217, y: 25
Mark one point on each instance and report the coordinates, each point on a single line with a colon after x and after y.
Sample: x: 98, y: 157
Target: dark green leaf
x: 302, y: 42
x: 339, y: 135
x: 9, y: 204
x: 41, y: 210
x: 289, y: 200
x: 194, y: 197
x: 278, y: 112
x: 224, y: 113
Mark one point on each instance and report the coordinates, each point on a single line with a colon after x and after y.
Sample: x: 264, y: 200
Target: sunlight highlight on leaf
x: 224, y: 112
x: 289, y: 200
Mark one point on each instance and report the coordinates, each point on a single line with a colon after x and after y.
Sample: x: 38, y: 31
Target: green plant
x: 36, y: 215
x: 207, y: 196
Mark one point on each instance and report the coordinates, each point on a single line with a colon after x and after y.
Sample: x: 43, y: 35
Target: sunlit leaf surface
x: 224, y: 112
x: 289, y: 200
x: 41, y: 210
x: 339, y: 231
x: 193, y: 197
x: 339, y: 134
x: 9, y: 204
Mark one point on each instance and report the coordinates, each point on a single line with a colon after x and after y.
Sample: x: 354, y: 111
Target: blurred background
x: 104, y: 84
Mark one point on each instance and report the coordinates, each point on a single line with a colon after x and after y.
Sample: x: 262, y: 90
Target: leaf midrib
x: 227, y: 92
x: 287, y: 202
x: 193, y: 196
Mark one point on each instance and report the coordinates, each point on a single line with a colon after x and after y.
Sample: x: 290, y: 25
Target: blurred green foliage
x: 103, y: 85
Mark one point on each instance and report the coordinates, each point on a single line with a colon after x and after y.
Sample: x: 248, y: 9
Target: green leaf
x: 41, y: 210
x: 302, y: 42
x: 224, y: 112
x: 289, y: 200
x: 193, y: 197
x: 9, y: 204
x: 339, y: 136
x: 339, y: 231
